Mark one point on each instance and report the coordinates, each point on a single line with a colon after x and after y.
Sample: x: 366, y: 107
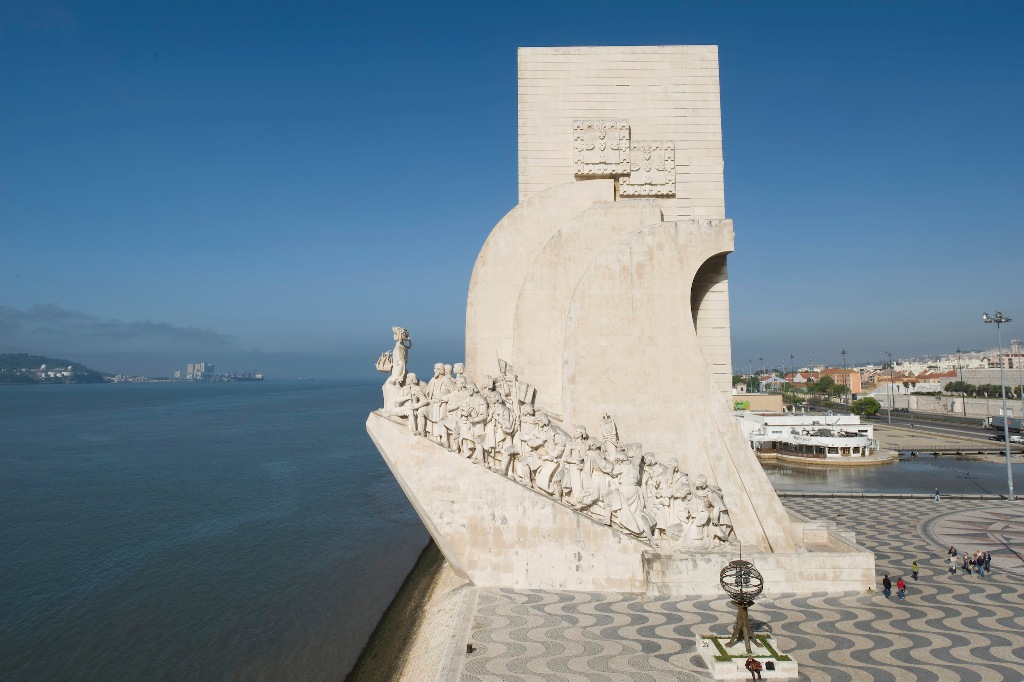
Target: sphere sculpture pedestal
x: 726, y: 659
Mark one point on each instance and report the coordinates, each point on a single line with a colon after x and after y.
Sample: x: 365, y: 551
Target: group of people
x: 969, y: 563
x: 901, y: 587
x: 497, y: 425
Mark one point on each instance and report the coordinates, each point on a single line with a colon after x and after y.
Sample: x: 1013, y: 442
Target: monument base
x: 499, y: 533
x: 729, y: 662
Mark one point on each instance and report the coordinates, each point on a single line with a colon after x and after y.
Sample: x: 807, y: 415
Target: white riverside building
x: 814, y: 436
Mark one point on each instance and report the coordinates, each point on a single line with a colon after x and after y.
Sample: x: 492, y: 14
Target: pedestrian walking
x: 914, y: 568
x: 952, y: 565
x: 952, y: 551
x: 967, y: 564
x: 936, y: 494
x: 988, y: 562
x: 901, y: 588
x: 754, y: 666
x: 979, y: 562
x: 886, y: 586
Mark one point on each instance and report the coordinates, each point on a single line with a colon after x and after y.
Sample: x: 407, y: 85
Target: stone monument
x: 599, y: 305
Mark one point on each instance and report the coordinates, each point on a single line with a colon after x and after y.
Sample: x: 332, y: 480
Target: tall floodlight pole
x: 1020, y: 380
x: 960, y: 371
x: 762, y: 364
x: 1000, y: 320
x: 846, y: 378
x: 891, y: 397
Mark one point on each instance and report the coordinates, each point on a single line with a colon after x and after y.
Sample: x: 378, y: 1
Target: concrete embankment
x: 415, y: 637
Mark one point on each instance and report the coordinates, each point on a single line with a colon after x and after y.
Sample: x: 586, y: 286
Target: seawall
x: 415, y: 638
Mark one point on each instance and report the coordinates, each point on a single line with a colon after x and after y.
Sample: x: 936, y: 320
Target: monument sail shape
x: 604, y: 293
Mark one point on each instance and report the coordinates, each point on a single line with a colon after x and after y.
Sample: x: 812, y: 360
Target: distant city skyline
x: 272, y: 189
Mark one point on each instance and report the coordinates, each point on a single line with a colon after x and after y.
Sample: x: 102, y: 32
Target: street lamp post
x: 846, y: 378
x: 960, y: 370
x: 1001, y: 319
x: 892, y: 398
x: 1020, y: 379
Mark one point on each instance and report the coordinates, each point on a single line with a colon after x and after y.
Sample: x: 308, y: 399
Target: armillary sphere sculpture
x: 742, y: 582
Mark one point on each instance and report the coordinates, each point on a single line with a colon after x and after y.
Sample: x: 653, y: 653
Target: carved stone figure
x: 499, y: 430
x: 399, y: 358
x: 459, y: 370
x: 392, y: 394
x: 400, y: 355
x: 472, y: 413
x: 667, y: 483
x: 573, y: 461
x: 547, y: 458
x: 533, y: 443
x: 691, y: 530
x: 438, y: 390
x: 597, y: 482
x: 412, y: 404
x: 627, y: 474
x: 460, y: 408
x: 720, y: 523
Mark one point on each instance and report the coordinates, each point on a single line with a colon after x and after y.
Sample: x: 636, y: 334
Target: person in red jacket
x: 754, y: 666
x: 901, y: 588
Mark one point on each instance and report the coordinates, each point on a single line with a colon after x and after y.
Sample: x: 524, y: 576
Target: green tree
x: 960, y: 387
x: 825, y: 386
x: 866, y: 406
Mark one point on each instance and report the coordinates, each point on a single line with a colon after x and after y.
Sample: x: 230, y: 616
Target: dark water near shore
x: 243, y: 531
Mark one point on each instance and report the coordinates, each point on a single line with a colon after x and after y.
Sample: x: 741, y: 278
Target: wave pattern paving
x: 949, y: 627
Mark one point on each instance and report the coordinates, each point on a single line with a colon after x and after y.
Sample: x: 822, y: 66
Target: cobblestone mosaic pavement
x: 949, y: 627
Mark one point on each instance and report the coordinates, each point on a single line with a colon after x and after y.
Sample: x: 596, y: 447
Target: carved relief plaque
x: 601, y: 147
x: 652, y: 170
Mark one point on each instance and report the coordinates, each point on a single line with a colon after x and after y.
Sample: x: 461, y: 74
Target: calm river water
x: 922, y: 474
x: 245, y: 531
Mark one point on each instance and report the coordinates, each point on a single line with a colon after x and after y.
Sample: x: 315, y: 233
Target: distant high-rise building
x: 199, y: 371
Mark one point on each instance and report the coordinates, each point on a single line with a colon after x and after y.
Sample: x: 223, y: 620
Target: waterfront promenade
x: 950, y: 627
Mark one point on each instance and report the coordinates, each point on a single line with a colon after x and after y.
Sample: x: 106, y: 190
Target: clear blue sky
x: 273, y: 185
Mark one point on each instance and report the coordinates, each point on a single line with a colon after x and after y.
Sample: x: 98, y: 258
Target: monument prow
x: 599, y: 305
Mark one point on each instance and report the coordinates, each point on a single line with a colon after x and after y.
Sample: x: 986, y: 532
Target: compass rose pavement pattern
x: 949, y: 627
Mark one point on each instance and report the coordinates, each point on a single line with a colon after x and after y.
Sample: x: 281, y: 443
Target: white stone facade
x: 665, y: 93
x: 606, y: 288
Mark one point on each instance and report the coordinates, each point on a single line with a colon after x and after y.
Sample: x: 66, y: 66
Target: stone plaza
x: 949, y: 627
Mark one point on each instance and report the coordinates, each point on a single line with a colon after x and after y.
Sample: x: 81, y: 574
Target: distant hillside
x: 23, y: 368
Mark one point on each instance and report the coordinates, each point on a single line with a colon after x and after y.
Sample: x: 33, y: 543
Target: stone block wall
x: 668, y: 93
